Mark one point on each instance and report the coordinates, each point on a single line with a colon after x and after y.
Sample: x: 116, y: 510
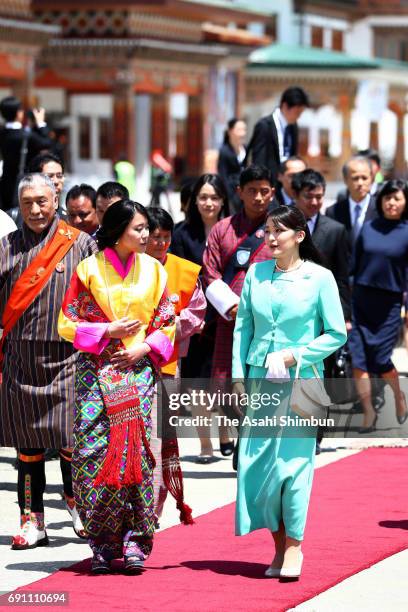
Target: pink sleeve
x: 190, y: 319
x: 89, y: 337
x: 162, y: 348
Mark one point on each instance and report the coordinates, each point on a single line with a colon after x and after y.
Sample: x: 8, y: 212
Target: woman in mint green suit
x: 289, y: 308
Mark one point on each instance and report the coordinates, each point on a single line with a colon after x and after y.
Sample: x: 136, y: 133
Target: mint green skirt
x: 275, y: 465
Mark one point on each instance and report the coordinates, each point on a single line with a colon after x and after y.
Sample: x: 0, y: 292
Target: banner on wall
x: 222, y: 102
x: 372, y: 99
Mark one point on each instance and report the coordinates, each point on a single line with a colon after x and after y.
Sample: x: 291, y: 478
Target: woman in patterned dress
x: 117, y: 313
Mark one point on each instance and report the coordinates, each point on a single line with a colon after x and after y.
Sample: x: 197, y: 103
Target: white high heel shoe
x: 294, y: 571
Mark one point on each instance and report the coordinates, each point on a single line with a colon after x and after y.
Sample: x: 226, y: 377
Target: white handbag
x: 309, y: 398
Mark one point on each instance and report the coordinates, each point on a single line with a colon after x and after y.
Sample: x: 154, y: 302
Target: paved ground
x: 381, y: 587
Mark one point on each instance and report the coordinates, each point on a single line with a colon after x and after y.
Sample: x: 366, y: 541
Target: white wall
x: 359, y: 39
x: 4, y: 92
x: 52, y: 99
x: 287, y: 29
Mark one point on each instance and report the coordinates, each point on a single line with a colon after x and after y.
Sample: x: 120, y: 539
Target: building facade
x: 130, y: 78
x: 349, y: 55
x: 21, y: 41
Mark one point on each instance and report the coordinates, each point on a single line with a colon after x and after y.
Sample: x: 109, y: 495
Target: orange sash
x: 35, y: 277
x: 181, y: 282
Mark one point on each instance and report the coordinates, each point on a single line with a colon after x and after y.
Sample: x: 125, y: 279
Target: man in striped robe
x: 37, y: 390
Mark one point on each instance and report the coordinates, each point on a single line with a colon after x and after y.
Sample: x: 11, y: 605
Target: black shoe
x: 99, y: 565
x: 133, y: 565
x: 370, y: 428
x: 204, y: 459
x: 235, y: 457
x: 356, y: 408
x: 378, y: 403
x: 401, y: 419
x: 227, y: 448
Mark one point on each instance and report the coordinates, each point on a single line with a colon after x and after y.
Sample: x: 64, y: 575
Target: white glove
x: 276, y: 366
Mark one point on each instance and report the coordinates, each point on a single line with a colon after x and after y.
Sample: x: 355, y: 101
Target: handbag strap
x: 299, y: 365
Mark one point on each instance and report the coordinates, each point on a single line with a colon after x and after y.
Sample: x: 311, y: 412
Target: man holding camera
x: 18, y: 145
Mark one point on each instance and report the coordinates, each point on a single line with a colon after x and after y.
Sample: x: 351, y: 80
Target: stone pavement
x: 381, y: 587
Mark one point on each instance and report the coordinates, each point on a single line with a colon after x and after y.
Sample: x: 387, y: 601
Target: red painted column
x: 124, y: 136
x: 400, y: 164
x: 160, y: 123
x: 195, y: 136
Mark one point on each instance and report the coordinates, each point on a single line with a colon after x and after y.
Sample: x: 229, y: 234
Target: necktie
x: 310, y: 224
x: 356, y: 224
x: 287, y: 142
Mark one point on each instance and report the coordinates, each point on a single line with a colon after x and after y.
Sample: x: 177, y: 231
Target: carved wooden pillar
x: 240, y: 93
x: 160, y: 123
x: 124, y: 121
x: 374, y: 135
x: 400, y: 165
x: 23, y: 89
x: 195, y: 126
x: 345, y: 106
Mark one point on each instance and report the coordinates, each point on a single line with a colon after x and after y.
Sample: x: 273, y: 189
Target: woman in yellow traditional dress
x: 118, y: 315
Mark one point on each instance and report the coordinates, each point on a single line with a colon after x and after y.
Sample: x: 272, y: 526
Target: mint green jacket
x: 308, y: 316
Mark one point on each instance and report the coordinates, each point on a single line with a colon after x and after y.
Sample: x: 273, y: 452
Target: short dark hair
x: 307, y: 179
x: 112, y: 189
x: 160, y: 218
x: 255, y: 173
x: 81, y: 190
x: 193, y: 216
x: 115, y: 221
x: 294, y: 96
x: 371, y: 154
x: 283, y: 166
x: 360, y: 158
x: 9, y: 108
x: 185, y: 192
x: 392, y: 187
x: 38, y: 162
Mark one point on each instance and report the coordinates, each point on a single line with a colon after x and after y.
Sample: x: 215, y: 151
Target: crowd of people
x: 256, y: 284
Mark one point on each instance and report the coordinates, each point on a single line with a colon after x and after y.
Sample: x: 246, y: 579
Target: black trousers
x: 31, y: 477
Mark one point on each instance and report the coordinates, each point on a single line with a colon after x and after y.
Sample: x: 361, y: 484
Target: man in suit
x: 357, y: 205
x: 284, y: 193
x: 13, y: 138
x: 329, y: 236
x: 275, y: 137
x: 352, y: 209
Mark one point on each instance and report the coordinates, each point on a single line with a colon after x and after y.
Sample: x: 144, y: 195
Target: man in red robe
x: 234, y: 243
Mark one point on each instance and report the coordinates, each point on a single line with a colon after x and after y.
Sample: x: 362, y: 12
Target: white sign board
x: 372, y: 99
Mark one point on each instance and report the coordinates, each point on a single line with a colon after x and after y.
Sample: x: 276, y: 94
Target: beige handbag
x: 309, y: 398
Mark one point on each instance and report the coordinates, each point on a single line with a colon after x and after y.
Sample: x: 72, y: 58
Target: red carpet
x: 358, y: 516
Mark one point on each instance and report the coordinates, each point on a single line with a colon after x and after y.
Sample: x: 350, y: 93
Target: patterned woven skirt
x: 119, y: 522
